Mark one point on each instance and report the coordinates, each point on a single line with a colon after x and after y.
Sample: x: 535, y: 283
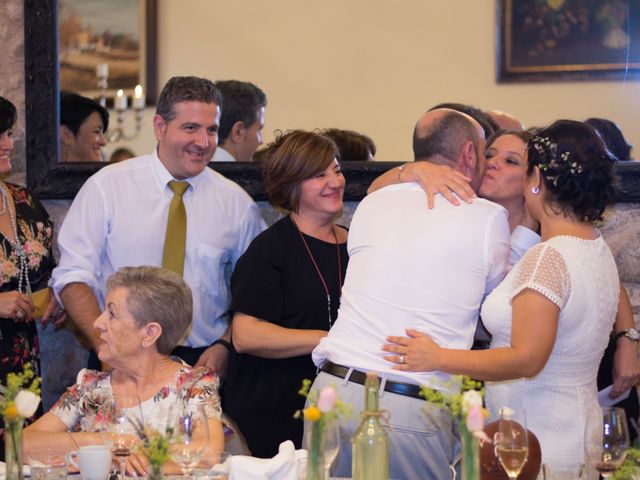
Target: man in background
x: 242, y: 121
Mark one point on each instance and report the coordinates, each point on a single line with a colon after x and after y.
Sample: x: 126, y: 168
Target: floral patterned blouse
x: 89, y: 404
x: 18, y: 340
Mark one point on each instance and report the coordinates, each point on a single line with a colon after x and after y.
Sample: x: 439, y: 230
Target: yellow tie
x: 175, y: 239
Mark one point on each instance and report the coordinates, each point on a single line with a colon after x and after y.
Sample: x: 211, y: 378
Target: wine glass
x: 511, y: 441
x: 122, y: 432
x: 190, y: 437
x: 606, y: 439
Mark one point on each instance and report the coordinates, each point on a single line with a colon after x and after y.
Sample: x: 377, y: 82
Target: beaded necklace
x: 315, y: 264
x: 23, y: 278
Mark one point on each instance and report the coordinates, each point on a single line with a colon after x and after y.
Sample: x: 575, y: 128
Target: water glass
x: 45, y: 464
x: 190, y: 438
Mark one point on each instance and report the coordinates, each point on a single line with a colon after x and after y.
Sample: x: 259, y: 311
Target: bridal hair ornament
x: 556, y: 163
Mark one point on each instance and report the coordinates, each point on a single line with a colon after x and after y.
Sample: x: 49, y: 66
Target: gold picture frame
x: 549, y: 40
x: 118, y: 33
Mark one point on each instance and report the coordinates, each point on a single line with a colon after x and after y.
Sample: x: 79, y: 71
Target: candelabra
x: 120, y: 104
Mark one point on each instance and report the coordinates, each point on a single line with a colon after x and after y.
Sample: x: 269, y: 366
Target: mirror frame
x: 50, y: 179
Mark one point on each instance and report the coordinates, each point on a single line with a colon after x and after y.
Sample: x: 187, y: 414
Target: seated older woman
x: 148, y: 309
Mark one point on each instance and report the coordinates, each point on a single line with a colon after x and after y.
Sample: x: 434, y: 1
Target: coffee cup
x: 93, y: 461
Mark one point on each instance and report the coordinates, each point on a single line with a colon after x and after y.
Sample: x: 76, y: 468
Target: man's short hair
x: 352, y: 146
x: 241, y: 103
x: 186, y: 89
x: 485, y: 120
x: 158, y: 295
x: 445, y: 137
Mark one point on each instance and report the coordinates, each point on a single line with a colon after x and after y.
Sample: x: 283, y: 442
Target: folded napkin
x: 284, y: 466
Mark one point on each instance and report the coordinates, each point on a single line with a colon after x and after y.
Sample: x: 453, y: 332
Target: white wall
x: 368, y: 65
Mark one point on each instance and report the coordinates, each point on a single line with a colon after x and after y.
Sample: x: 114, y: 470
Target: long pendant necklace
x: 315, y: 264
x: 23, y: 277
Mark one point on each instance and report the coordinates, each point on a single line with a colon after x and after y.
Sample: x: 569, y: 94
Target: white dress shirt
x: 411, y: 267
x: 222, y: 155
x: 119, y: 218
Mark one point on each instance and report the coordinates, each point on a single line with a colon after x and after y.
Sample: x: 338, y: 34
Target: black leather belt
x: 400, y: 388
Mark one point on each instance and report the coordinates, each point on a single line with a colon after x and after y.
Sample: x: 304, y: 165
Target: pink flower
x: 475, y: 419
x: 327, y: 399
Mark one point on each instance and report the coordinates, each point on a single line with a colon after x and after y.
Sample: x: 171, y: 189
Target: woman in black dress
x: 26, y: 262
x: 286, y: 292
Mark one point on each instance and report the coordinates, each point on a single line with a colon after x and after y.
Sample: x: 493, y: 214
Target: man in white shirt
x: 120, y: 215
x: 412, y: 267
x: 241, y: 122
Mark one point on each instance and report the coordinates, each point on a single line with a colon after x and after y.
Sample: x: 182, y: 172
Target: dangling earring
x: 535, y: 190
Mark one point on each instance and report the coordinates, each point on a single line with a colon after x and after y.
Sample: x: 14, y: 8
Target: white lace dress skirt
x: 581, y: 278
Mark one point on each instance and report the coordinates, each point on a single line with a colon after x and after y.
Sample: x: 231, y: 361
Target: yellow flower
x: 555, y: 4
x: 10, y: 412
x: 312, y: 413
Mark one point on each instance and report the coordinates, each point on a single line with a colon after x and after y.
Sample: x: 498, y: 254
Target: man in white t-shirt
x: 419, y: 268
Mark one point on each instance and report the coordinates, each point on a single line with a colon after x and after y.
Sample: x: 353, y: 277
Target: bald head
x: 506, y: 121
x: 453, y: 138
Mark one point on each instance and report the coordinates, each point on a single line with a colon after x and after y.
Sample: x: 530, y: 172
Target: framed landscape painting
x: 548, y: 40
x: 118, y: 33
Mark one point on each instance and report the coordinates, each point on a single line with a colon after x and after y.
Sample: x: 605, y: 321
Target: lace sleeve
x: 544, y: 270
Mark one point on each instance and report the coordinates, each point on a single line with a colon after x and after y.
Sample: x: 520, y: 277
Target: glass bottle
x: 370, y: 451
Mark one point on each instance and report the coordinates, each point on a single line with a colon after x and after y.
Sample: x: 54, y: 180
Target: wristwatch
x: 631, y: 333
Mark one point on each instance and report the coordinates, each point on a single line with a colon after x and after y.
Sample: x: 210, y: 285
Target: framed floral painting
x: 548, y: 40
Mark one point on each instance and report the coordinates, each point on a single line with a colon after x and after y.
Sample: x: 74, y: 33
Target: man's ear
x: 237, y: 132
x: 468, y: 159
x: 159, y: 126
x: 66, y: 135
x: 152, y: 332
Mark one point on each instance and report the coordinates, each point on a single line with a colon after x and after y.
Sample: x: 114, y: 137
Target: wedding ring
x: 402, y: 359
x: 19, y: 314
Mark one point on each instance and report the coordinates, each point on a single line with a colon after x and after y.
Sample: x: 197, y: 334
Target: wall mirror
x: 51, y: 179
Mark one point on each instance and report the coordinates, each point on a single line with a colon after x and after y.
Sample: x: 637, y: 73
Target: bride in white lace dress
x: 551, y: 316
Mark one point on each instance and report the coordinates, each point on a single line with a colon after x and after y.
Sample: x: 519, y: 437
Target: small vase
x: 314, y: 444
x: 156, y: 472
x: 13, y: 449
x: 470, y: 455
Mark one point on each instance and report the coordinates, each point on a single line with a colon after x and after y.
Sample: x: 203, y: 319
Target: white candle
x: 102, y: 70
x: 138, y: 98
x: 120, y: 102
